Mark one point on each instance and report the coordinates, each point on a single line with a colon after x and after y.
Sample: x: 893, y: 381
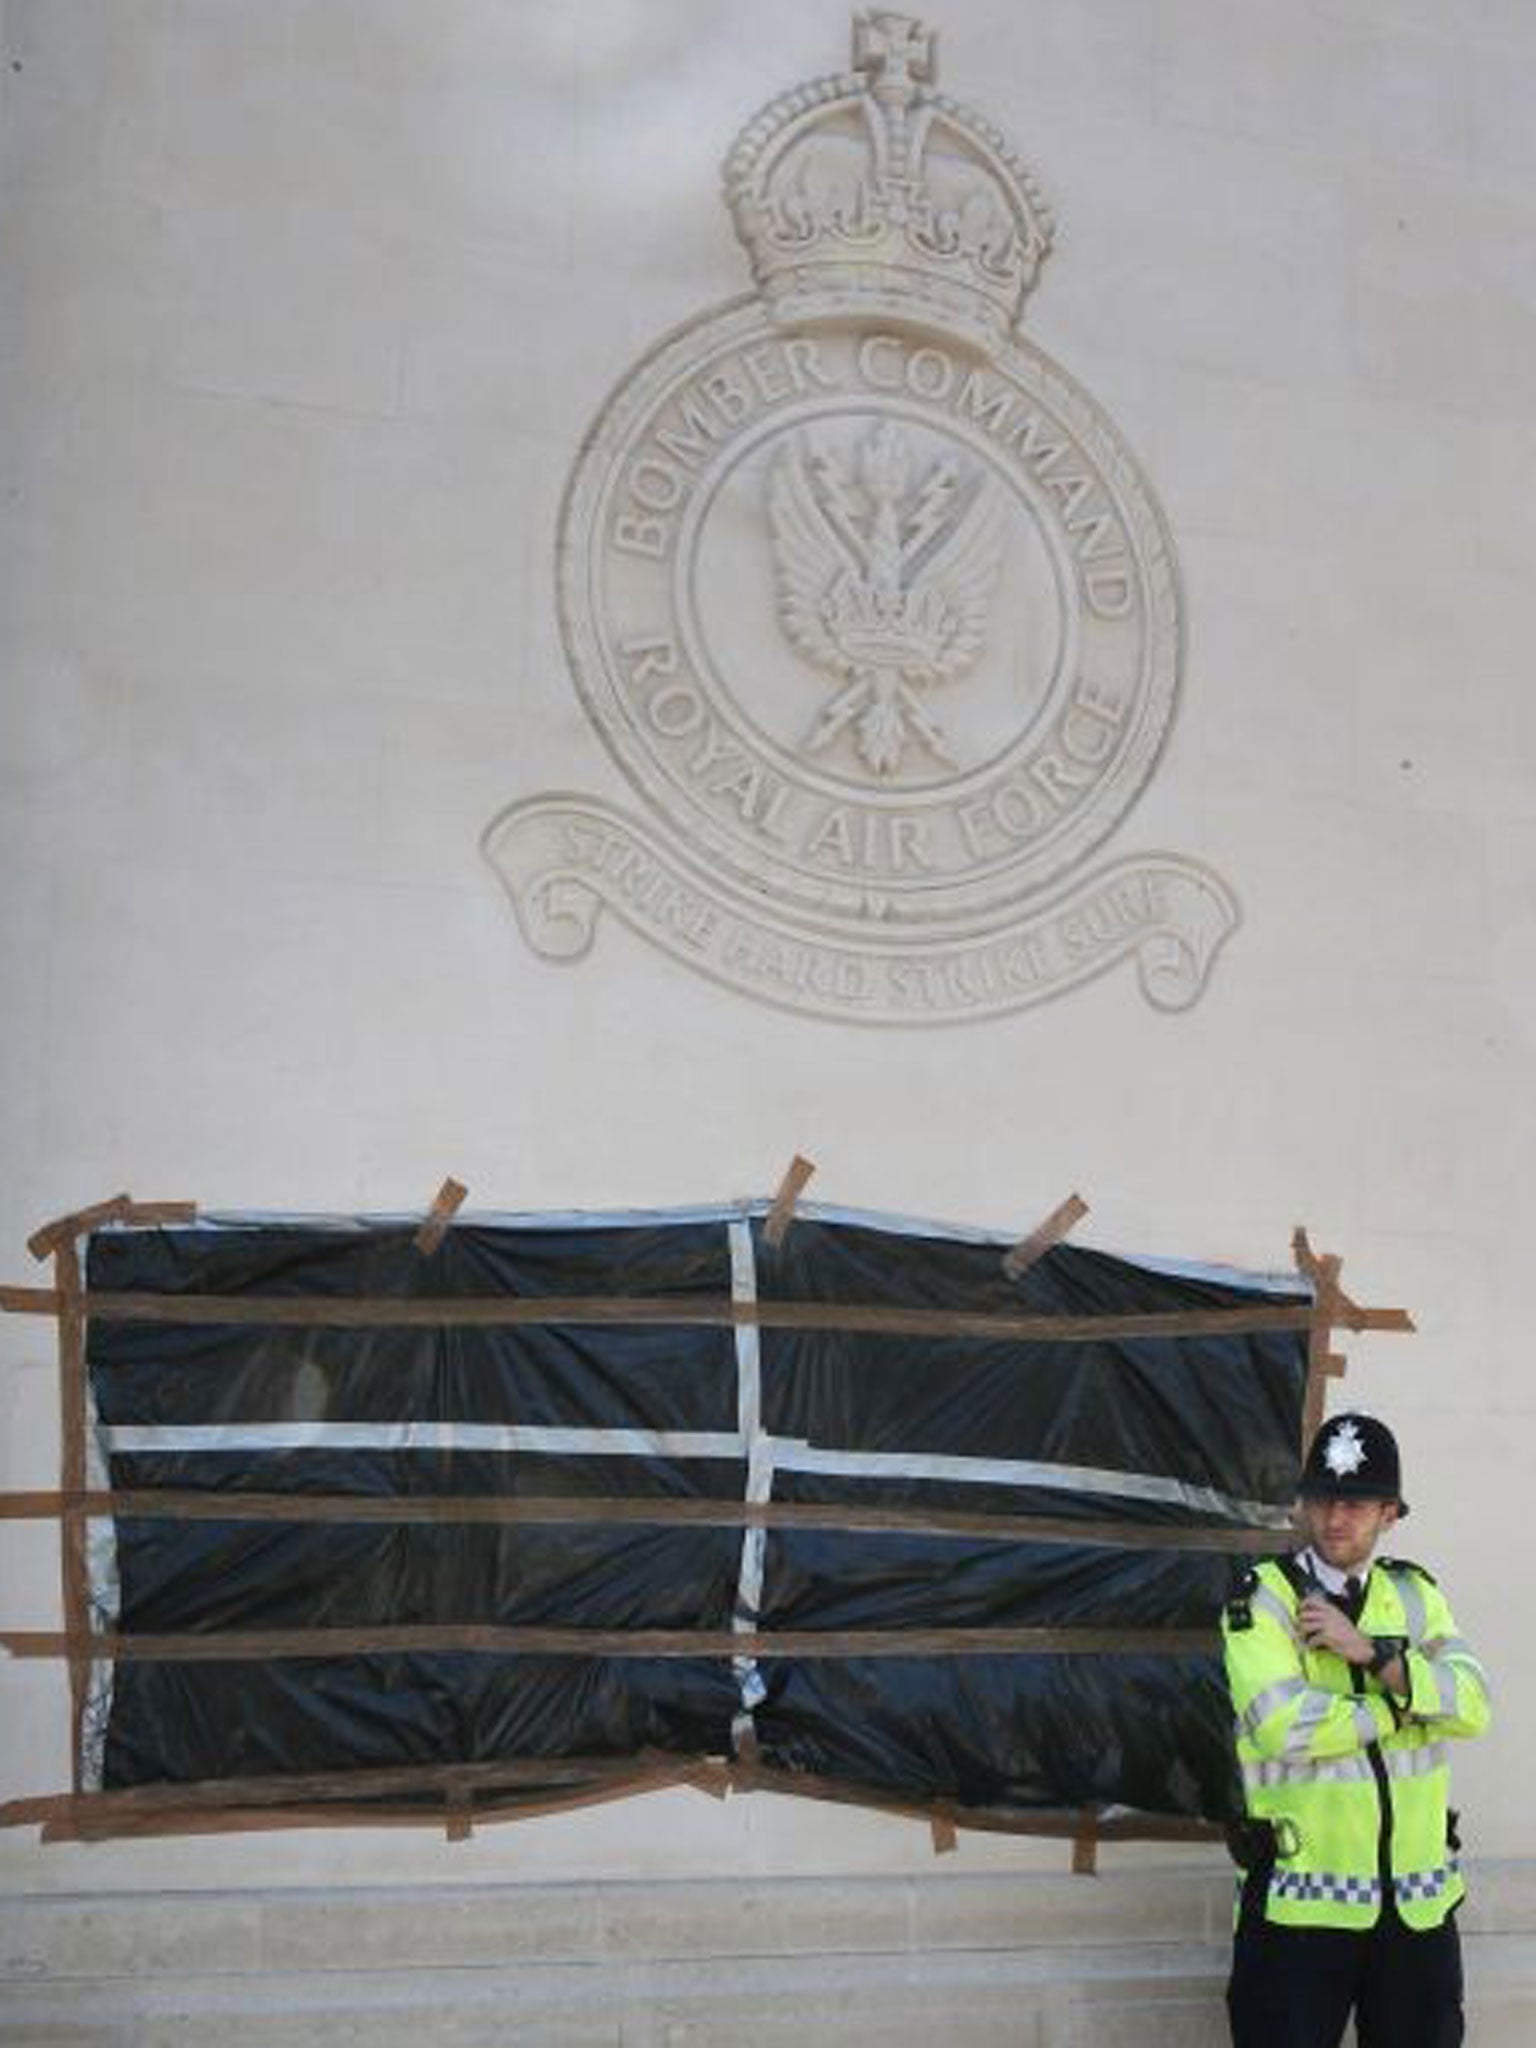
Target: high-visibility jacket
x: 1354, y: 1784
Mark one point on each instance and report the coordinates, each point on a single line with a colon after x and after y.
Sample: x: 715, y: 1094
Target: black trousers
x: 1295, y: 1987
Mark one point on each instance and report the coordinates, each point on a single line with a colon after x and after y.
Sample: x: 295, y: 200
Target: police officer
x: 1347, y: 1677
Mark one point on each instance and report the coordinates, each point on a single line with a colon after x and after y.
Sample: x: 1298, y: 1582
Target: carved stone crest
x: 870, y: 603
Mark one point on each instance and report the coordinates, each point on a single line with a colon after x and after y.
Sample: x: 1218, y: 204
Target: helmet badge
x: 1345, y: 1453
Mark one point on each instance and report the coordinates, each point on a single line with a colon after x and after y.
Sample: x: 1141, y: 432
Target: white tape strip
x: 104, y: 1597
x: 1284, y: 1284
x: 796, y: 1457
x: 422, y: 1436
x: 749, y: 1416
x: 784, y: 1454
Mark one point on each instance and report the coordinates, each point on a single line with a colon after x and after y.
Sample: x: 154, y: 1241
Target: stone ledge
x: 1032, y: 1961
x: 167, y: 1933
x: 905, y: 1999
x: 1042, y: 1998
x: 141, y: 1936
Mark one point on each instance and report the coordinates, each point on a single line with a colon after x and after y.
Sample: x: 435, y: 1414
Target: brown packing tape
x: 65, y: 1229
x: 1155, y: 1827
x: 159, y: 1214
x: 1352, y: 1317
x: 659, y: 1780
x: 648, y: 1511
x: 1323, y: 1270
x: 831, y: 1791
x: 72, y: 1401
x: 712, y: 1777
x: 479, y: 1311
x: 30, y: 1301
x: 1030, y: 1250
x: 140, y: 1827
x: 93, y: 1819
x: 448, y: 1199
x: 706, y: 1312
x: 798, y: 1173
x: 116, y: 1209
x: 748, y: 1748
x: 266, y: 1820
x: 46, y: 1505
x: 324, y: 1787
x: 320, y: 1802
x: 1049, y: 1823
x: 74, y: 1575
x: 487, y: 1639
x: 1347, y: 1313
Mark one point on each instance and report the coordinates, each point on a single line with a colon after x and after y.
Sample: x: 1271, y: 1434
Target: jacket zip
x: 1303, y: 1583
x: 1383, y: 1802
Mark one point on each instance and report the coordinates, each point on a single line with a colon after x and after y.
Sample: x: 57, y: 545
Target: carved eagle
x: 885, y: 579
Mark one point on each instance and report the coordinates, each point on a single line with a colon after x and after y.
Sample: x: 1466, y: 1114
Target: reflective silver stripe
x: 1445, y: 1685
x: 1334, y: 1770
x: 1458, y: 1654
x: 1272, y: 1604
x: 1411, y: 1594
x: 1446, y: 1646
x: 1415, y: 1763
x: 1315, y: 1708
x: 1265, y: 1703
x: 1465, y: 1664
x: 1366, y: 1725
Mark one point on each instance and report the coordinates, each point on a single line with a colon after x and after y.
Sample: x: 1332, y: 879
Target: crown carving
x: 869, y: 192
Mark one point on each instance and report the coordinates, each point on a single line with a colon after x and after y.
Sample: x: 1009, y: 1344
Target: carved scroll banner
x: 870, y: 603
x: 563, y: 859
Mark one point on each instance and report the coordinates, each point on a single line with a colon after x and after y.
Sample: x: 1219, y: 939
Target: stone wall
x: 310, y: 304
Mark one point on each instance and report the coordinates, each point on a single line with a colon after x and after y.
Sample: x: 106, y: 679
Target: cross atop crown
x: 895, y: 50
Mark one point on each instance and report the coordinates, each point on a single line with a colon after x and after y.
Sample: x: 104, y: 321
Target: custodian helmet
x: 1353, y: 1457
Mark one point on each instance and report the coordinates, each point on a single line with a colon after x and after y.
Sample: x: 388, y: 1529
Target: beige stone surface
x: 309, y: 305
x: 1078, y: 1964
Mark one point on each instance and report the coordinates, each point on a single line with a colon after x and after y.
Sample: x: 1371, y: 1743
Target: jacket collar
x: 1328, y: 1576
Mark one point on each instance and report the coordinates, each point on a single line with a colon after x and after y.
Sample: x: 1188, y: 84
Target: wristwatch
x: 1383, y: 1650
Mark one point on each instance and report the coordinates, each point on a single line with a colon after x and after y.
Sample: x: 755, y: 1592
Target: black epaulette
x: 1239, y: 1609
x: 1405, y: 1564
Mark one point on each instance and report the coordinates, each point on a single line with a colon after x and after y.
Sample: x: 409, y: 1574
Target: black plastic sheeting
x: 1165, y: 1433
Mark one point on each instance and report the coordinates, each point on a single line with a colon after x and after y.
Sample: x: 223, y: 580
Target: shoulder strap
x: 1298, y: 1580
x: 1408, y: 1582
x: 1406, y: 1564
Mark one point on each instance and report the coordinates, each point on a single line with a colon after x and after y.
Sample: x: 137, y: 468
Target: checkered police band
x: 1340, y: 1890
x: 1313, y: 1885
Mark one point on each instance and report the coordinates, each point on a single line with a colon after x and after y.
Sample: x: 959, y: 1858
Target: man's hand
x: 1326, y: 1627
